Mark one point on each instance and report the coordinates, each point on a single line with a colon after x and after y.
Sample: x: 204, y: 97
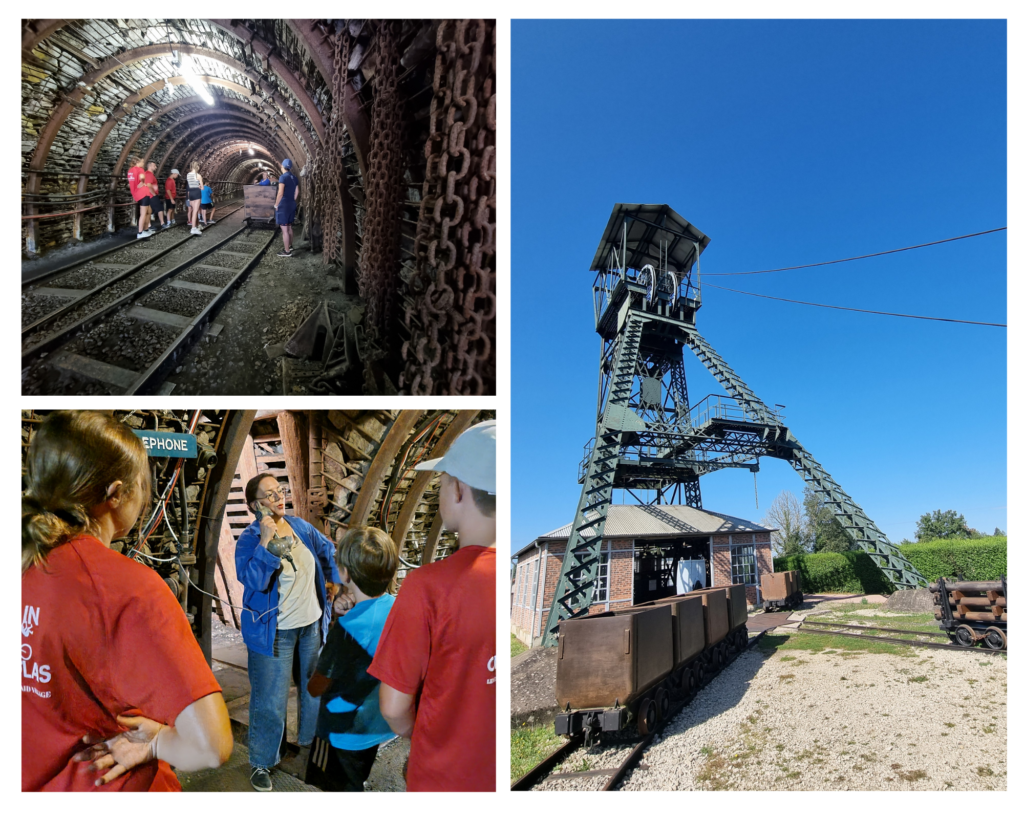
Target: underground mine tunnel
x: 335, y: 470
x: 364, y: 263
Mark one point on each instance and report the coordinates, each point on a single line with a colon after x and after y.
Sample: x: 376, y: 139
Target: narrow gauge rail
x: 124, y: 381
x: 118, y: 272
x: 829, y: 628
x: 543, y: 770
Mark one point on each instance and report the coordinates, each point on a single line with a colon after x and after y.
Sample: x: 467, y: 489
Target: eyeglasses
x: 276, y: 496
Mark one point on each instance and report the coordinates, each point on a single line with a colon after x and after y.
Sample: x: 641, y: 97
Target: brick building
x: 640, y: 553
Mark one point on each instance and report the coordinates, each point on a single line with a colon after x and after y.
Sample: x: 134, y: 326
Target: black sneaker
x: 260, y: 779
x: 285, y: 254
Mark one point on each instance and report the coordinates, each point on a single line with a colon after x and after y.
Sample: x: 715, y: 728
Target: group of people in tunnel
x: 145, y: 190
x: 116, y: 690
x: 198, y: 194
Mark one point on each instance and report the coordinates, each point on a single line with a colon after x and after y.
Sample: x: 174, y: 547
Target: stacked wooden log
x: 979, y: 601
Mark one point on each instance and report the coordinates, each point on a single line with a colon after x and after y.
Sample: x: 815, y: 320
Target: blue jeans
x: 269, y: 680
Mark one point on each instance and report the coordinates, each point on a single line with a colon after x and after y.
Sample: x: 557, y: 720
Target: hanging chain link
x: 328, y: 171
x: 451, y: 316
x: 379, y: 263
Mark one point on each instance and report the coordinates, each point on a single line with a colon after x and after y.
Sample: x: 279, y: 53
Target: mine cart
x: 781, y: 590
x: 609, y: 667
x: 259, y: 205
x: 972, y: 612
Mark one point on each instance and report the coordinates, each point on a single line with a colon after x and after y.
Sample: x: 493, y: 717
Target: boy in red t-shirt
x: 140, y: 193
x: 156, y: 201
x: 171, y: 196
x: 436, y: 657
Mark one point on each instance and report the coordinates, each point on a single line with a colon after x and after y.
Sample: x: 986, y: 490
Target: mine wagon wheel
x: 720, y: 657
x: 647, y: 717
x: 698, y: 675
x: 995, y: 638
x: 965, y: 636
x: 686, y: 679
x: 661, y: 698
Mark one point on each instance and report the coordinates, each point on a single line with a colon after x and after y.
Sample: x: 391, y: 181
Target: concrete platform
x: 230, y: 667
x: 233, y: 776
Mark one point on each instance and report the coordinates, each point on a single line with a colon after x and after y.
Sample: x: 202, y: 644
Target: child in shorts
x: 350, y: 727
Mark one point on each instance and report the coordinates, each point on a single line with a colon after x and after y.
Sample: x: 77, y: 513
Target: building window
x: 744, y: 567
x: 519, y: 585
x: 533, y: 581
x: 601, y: 589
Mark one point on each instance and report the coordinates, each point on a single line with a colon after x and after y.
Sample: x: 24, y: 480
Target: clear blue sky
x: 786, y: 142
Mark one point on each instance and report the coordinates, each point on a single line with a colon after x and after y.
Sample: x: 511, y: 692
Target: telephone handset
x: 260, y: 512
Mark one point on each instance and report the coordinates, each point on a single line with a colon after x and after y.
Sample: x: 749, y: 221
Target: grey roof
x: 648, y: 226
x: 632, y: 520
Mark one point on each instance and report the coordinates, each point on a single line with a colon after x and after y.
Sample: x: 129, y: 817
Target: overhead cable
x: 855, y: 258
x: 856, y: 309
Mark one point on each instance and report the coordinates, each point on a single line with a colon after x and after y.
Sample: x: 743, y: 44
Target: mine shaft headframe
x: 653, y: 252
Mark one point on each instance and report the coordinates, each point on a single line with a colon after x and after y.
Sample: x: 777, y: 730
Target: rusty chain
x: 379, y: 262
x: 451, y: 316
x: 328, y: 171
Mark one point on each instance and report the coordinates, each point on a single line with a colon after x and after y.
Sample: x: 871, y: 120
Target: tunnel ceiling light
x: 189, y: 73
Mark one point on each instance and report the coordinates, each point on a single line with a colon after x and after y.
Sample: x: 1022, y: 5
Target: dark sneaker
x: 285, y: 254
x: 260, y: 779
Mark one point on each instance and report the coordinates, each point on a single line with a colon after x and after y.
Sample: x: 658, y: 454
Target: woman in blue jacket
x: 287, y: 568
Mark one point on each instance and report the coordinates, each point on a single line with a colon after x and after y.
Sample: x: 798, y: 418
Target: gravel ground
x: 837, y: 720
x: 34, y: 308
x: 85, y: 278
x: 275, y: 297
x: 178, y: 300
x: 125, y: 342
x: 212, y: 277
x: 223, y: 260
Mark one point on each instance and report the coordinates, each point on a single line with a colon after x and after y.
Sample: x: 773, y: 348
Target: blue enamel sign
x: 167, y: 444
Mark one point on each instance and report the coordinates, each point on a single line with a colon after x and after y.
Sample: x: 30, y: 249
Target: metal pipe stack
x: 983, y: 601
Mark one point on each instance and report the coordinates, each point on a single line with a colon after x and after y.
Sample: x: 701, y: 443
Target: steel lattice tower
x: 646, y: 296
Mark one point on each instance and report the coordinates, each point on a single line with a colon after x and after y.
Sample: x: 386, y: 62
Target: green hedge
x: 854, y: 572
x: 981, y: 559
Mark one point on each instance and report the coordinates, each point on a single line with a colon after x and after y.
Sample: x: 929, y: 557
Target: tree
x: 785, y: 516
x: 823, y: 532
x: 998, y: 533
x: 939, y: 525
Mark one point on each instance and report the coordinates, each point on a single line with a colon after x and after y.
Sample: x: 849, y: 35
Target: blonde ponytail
x: 73, y: 458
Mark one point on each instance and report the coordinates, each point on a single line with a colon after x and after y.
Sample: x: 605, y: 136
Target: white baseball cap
x: 470, y: 458
x: 176, y: 171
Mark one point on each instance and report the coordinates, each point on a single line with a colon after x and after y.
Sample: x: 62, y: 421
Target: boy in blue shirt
x: 350, y: 727
x: 206, y: 203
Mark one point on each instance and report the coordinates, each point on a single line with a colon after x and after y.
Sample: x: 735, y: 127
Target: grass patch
x: 845, y: 645
x: 918, y: 679
x: 530, y: 746
x: 518, y: 647
x: 714, y: 773
x: 984, y: 770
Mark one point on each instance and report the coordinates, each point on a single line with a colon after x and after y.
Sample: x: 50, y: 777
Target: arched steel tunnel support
x: 229, y: 448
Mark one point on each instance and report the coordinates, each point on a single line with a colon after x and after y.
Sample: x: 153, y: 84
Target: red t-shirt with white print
x: 136, y: 176
x: 101, y: 634
x: 439, y: 643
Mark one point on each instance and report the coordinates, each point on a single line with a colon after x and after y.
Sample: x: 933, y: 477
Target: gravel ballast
x: 835, y: 720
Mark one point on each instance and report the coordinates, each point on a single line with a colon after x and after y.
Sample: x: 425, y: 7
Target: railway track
x: 49, y: 296
x: 851, y: 629
x: 130, y: 344
x: 544, y: 771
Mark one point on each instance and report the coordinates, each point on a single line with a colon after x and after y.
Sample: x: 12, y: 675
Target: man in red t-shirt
x: 140, y: 193
x: 102, y: 635
x: 436, y: 656
x: 171, y: 195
